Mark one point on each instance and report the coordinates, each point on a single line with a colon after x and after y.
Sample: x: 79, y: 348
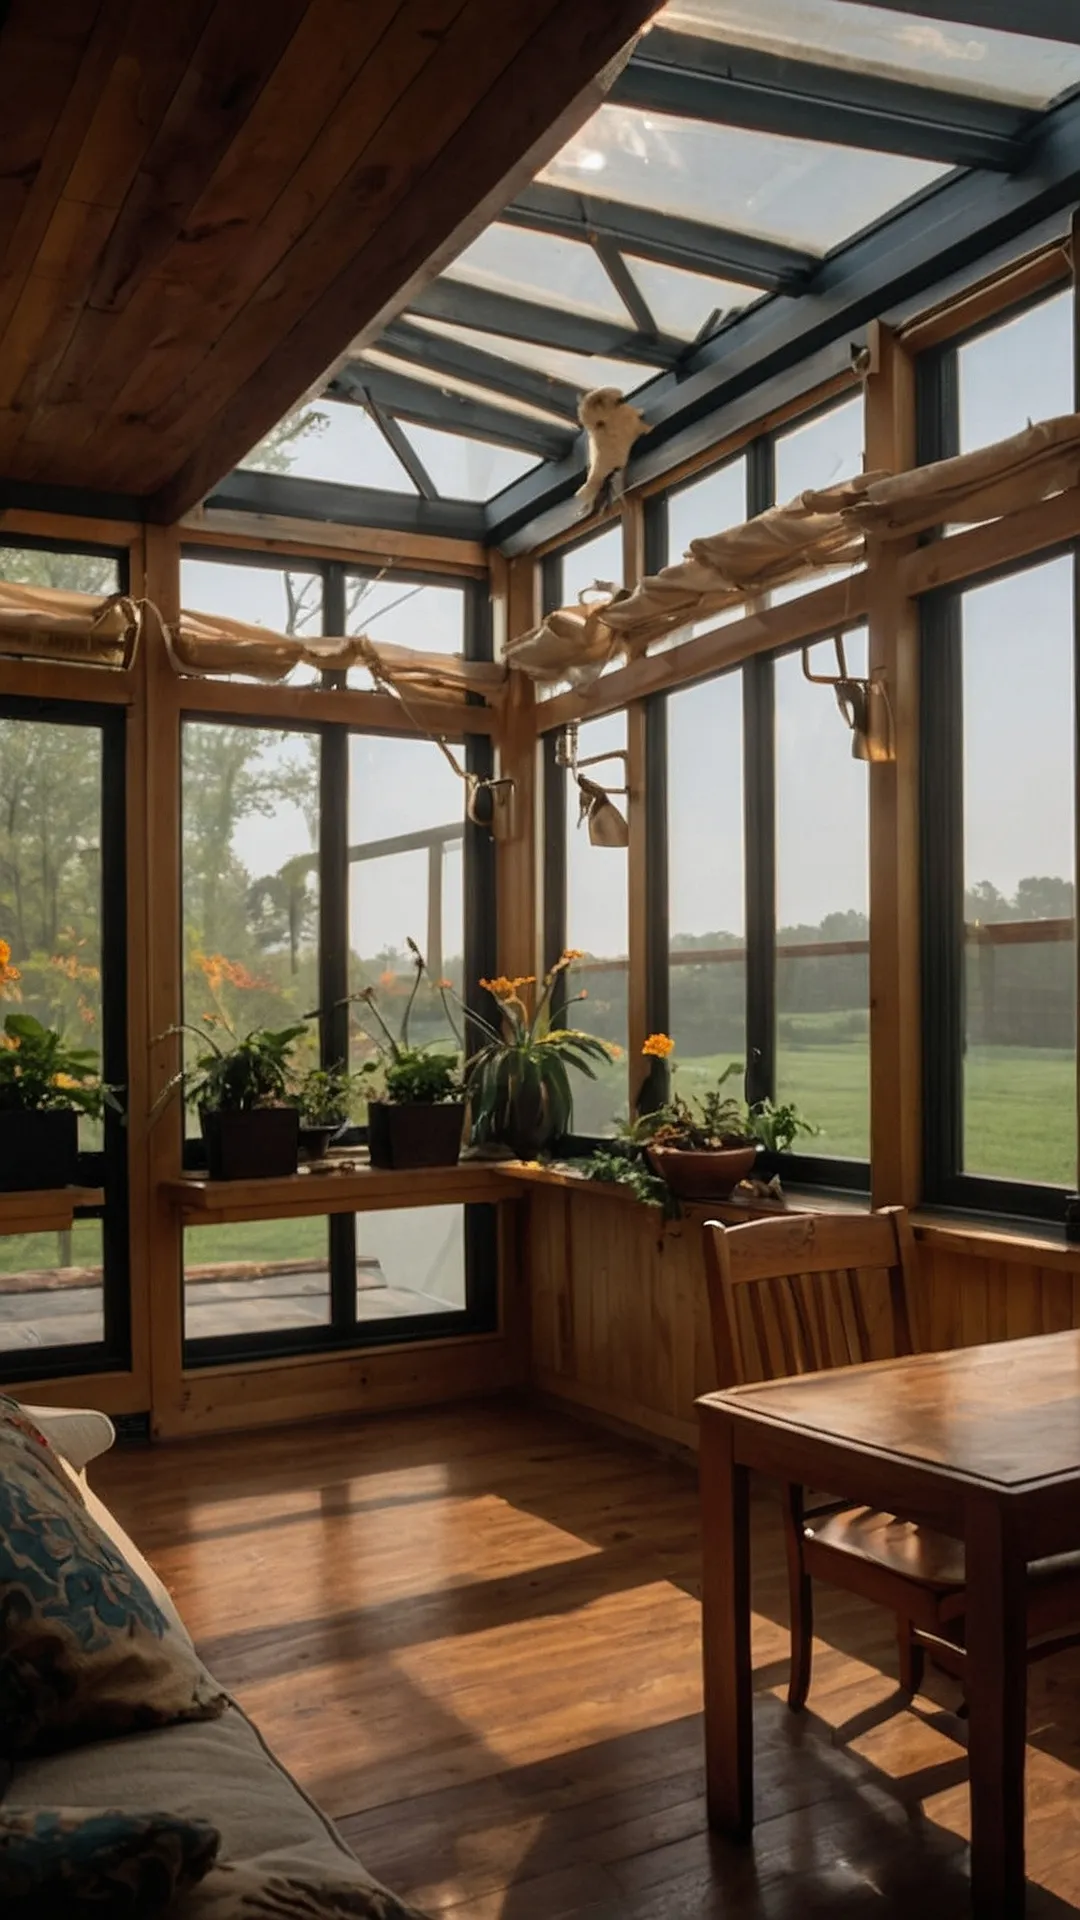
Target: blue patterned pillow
x: 76, y: 1863
x: 85, y: 1651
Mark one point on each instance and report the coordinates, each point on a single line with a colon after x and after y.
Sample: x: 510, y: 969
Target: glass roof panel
x: 540, y: 266
x: 959, y: 58
x: 682, y: 302
x: 467, y: 469
x: 802, y: 192
x: 332, y: 440
x: 582, y: 370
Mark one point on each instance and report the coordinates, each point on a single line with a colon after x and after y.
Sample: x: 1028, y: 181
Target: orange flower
x: 447, y: 986
x: 8, y: 974
x: 388, y: 978
x: 615, y: 1050
x: 658, y: 1046
x: 573, y: 953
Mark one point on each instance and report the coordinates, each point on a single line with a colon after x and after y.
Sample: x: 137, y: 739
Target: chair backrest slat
x: 789, y: 1296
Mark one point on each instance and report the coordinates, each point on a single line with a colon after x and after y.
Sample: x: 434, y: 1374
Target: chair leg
x: 912, y: 1658
x: 801, y: 1601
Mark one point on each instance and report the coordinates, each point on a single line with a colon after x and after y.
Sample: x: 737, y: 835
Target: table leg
x: 725, y: 1629
x: 996, y: 1679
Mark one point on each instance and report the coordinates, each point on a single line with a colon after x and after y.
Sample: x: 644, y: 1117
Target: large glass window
x: 822, y: 908
x: 597, y: 906
x: 999, y: 875
x: 310, y: 859
x: 1016, y: 372
x: 62, y: 929
x: 706, y: 900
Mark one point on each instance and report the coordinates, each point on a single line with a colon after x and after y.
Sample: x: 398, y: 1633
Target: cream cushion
x: 81, y: 1434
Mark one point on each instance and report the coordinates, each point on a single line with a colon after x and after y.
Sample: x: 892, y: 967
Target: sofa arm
x: 80, y: 1434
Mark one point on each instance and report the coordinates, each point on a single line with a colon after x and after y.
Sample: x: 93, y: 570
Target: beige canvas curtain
x: 209, y: 643
x: 48, y: 623
x: 828, y: 528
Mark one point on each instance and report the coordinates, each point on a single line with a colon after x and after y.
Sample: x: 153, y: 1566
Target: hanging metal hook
x: 864, y: 704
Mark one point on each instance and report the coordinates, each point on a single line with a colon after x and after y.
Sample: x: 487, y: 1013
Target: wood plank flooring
x: 473, y: 1635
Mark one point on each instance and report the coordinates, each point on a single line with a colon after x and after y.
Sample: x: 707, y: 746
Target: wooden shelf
x: 201, y: 1202
x: 46, y: 1209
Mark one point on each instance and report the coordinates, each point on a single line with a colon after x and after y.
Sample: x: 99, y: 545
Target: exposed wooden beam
x: 736, y: 86
x: 416, y: 219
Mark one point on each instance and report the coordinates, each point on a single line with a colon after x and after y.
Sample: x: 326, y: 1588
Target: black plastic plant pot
x: 315, y: 1141
x: 420, y: 1133
x: 38, y: 1150
x: 260, y: 1145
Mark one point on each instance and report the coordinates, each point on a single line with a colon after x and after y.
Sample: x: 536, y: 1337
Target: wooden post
x: 895, y: 984
x: 515, y: 590
x: 163, y: 933
x: 637, y: 775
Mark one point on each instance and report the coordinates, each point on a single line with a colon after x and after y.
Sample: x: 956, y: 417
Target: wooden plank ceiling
x: 202, y: 204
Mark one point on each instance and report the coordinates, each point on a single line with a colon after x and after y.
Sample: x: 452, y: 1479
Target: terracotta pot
x: 259, y: 1145
x: 705, y: 1173
x: 415, y: 1133
x: 38, y: 1149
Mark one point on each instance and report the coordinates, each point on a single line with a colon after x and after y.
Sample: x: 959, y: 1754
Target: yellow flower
x: 573, y: 953
x: 658, y: 1046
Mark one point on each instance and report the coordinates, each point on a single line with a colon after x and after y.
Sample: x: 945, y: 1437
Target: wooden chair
x: 817, y: 1291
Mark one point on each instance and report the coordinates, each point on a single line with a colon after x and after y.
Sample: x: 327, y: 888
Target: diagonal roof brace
x: 694, y: 245
x: 428, y: 405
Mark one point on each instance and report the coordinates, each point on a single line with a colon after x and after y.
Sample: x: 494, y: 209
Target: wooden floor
x: 474, y: 1637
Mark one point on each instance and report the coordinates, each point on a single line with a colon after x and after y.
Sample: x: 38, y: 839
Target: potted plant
x: 702, y: 1148
x: 45, y: 1085
x: 419, y: 1118
x: 324, y: 1098
x: 518, y: 1085
x: 239, y: 1086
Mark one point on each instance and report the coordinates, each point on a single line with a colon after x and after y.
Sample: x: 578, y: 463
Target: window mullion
x: 759, y: 775
x: 943, y: 928
x: 334, y: 943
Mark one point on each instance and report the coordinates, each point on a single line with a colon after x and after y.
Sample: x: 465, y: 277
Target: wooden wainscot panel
x: 620, y: 1316
x: 273, y: 1393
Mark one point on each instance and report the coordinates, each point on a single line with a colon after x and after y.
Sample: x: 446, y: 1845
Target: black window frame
x: 107, y: 1168
x: 343, y: 1332
x: 941, y: 775
x: 820, y: 1172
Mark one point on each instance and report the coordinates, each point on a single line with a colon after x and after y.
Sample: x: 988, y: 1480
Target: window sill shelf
x: 46, y: 1210
x: 360, y: 1189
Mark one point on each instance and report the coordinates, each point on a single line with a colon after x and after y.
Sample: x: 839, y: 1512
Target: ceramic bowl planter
x: 39, y: 1148
x: 261, y: 1143
x: 705, y: 1173
x: 415, y: 1133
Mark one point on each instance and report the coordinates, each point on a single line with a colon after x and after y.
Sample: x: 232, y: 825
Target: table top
x: 1006, y: 1414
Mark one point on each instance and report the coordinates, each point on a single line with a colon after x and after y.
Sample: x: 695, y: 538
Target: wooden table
x: 984, y: 1443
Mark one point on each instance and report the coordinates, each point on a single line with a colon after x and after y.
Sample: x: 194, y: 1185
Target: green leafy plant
x: 238, y: 1073
x: 326, y: 1096
x: 40, y: 1072
x: 624, y: 1165
x: 517, y: 1083
x: 417, y: 1074
x: 716, y: 1119
x: 410, y: 1075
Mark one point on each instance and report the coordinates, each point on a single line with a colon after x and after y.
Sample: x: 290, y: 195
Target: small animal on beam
x: 613, y: 425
